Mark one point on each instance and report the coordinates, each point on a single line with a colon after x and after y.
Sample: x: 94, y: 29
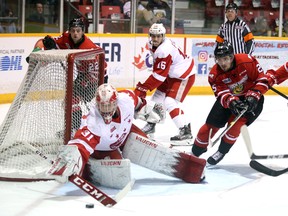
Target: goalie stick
x: 89, y: 188
x: 252, y: 155
x: 212, y: 143
x: 266, y: 170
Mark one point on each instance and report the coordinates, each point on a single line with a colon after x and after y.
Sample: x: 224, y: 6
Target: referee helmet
x: 232, y: 5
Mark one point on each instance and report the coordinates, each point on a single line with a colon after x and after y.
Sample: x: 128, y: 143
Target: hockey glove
x: 252, y: 97
x: 140, y: 90
x: 150, y: 112
x: 236, y: 105
x: 68, y: 162
x: 49, y: 43
x: 271, y: 79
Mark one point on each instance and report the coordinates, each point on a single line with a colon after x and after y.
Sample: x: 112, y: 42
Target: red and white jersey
x: 94, y: 134
x: 246, y: 74
x: 170, y: 60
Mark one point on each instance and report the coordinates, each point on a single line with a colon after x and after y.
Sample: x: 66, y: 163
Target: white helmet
x: 157, y: 29
x: 106, y: 101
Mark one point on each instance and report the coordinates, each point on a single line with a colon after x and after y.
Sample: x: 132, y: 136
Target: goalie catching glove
x: 68, y: 162
x: 150, y: 112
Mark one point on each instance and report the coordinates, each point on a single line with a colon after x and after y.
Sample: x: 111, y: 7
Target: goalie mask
x: 106, y: 101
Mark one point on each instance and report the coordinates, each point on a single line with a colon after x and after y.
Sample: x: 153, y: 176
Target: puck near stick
x: 90, y: 205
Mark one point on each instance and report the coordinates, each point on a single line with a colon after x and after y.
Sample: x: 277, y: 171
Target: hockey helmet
x: 157, y: 29
x: 76, y: 22
x: 106, y: 101
x: 232, y: 5
x: 223, y: 49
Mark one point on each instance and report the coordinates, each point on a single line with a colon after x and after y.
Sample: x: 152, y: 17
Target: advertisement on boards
x: 129, y: 60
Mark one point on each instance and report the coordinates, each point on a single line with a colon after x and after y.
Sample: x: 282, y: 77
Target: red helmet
x: 106, y: 101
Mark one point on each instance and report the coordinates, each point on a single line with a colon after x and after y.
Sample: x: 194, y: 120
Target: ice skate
x: 149, y: 129
x: 215, y: 158
x: 184, y: 137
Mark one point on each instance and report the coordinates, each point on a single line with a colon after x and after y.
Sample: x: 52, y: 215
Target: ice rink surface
x: 230, y: 188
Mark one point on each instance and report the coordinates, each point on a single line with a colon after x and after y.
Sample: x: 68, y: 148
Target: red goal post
x: 58, y: 88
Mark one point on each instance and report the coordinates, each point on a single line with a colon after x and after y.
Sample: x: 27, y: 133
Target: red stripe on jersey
x: 176, y: 112
x: 187, y: 72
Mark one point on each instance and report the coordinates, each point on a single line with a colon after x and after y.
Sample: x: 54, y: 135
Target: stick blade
x: 263, y: 169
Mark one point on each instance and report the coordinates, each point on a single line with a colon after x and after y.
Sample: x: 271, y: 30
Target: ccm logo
x: 89, y: 188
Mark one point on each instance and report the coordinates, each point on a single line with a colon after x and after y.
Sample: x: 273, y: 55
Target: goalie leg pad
x: 157, y: 157
x: 110, y: 173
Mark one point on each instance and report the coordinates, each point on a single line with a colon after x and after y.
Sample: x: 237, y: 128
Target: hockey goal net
x: 58, y: 88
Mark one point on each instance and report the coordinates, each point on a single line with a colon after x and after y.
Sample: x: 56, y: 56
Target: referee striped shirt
x: 238, y: 34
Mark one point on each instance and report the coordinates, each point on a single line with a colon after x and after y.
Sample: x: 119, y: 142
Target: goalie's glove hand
x: 68, y: 162
x: 236, y: 105
x: 49, y: 43
x: 252, y: 97
x: 140, y: 90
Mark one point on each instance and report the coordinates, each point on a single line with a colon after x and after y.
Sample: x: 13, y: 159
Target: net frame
x: 67, y: 59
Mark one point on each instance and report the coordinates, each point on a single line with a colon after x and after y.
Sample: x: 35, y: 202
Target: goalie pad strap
x: 159, y: 158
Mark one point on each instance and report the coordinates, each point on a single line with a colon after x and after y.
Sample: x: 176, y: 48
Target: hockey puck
x: 90, y: 205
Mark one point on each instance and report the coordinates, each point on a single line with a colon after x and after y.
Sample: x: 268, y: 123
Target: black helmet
x: 231, y: 6
x: 223, y: 49
x: 76, y: 22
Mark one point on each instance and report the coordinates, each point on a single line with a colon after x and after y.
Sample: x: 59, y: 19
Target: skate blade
x: 187, y: 142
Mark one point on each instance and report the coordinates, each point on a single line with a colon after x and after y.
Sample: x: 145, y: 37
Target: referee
x: 236, y: 31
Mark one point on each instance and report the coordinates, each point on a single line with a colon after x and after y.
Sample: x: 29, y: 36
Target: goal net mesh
x: 58, y: 88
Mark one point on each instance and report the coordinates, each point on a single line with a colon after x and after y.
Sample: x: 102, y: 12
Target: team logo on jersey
x: 119, y: 141
x: 144, y: 59
x: 202, y: 56
x: 238, y: 89
x: 202, y: 69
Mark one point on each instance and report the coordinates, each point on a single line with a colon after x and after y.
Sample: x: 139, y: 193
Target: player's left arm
x: 161, y: 69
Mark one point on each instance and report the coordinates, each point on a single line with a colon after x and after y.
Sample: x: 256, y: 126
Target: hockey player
x: 108, y: 130
x: 278, y: 76
x: 74, y: 38
x: 173, y: 76
x: 238, y: 82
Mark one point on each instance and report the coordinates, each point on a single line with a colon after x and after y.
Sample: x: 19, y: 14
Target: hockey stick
x: 278, y: 92
x: 252, y: 155
x: 212, y: 143
x: 89, y: 188
x: 266, y: 170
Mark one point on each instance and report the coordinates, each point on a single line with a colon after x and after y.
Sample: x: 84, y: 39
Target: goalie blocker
x: 157, y: 157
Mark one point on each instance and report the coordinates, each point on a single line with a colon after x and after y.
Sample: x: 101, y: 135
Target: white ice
x: 230, y: 188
